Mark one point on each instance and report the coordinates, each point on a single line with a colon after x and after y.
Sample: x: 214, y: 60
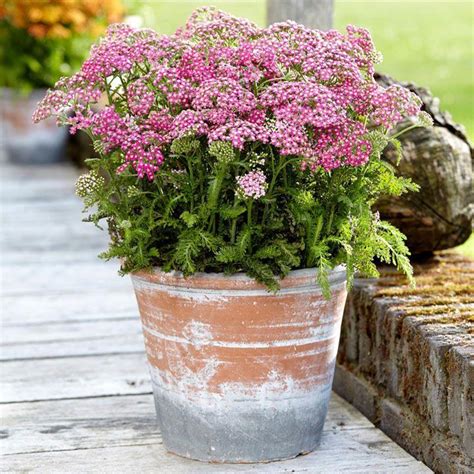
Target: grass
x: 426, y: 42
x: 467, y: 248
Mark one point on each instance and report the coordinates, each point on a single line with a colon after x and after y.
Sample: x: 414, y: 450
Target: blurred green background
x: 426, y: 42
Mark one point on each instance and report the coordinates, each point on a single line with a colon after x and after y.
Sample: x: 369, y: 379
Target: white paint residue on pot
x: 198, y: 333
x: 184, y: 380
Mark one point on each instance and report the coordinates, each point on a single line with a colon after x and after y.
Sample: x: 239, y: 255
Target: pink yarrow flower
x: 309, y: 94
x: 252, y: 184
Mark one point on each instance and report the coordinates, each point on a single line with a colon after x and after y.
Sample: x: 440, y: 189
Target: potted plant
x: 236, y: 171
x: 39, y: 43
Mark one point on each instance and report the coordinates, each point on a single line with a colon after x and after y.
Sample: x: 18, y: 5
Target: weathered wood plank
x: 66, y: 253
x: 79, y: 424
x: 38, y: 210
x: 71, y: 331
x: 107, y: 345
x: 45, y: 248
x: 45, y: 190
x: 40, y: 436
x: 67, y: 339
x: 113, y: 421
x: 58, y: 231
x: 75, y: 377
x: 45, y: 308
x: 58, y: 277
x: 11, y: 173
x: 365, y: 450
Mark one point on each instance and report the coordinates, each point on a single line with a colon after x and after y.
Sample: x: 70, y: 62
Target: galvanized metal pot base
x: 240, y: 374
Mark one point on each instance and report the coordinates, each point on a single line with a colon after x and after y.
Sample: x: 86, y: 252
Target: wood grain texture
x: 440, y: 160
x: 70, y: 338
x: 56, y: 307
x: 65, y: 437
x: 361, y: 454
x: 57, y: 277
x: 75, y: 394
x: 74, y: 377
x: 112, y: 421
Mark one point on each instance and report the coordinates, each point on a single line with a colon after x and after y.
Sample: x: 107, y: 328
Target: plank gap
x: 84, y: 397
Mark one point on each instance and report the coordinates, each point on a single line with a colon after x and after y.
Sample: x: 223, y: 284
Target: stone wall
x: 406, y: 359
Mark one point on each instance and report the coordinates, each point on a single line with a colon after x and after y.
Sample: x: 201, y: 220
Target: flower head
x: 252, y: 185
x: 222, y: 79
x: 222, y: 151
x: 88, y: 184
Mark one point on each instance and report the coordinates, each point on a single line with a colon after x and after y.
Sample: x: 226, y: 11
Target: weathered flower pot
x: 25, y: 142
x: 240, y: 374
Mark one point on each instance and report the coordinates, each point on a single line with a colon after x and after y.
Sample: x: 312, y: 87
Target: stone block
x: 357, y: 392
x: 407, y: 359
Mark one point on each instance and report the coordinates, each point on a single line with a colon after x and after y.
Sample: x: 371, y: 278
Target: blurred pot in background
x: 24, y: 142
x: 39, y: 43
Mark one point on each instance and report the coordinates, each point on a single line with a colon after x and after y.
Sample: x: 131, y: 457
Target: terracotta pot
x: 240, y: 374
x: 24, y: 141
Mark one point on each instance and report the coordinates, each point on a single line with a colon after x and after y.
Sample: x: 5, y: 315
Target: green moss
x: 438, y: 301
x: 454, y: 318
x: 424, y: 310
x: 439, y: 290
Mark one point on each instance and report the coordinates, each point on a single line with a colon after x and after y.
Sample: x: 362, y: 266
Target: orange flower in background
x: 37, y: 30
x: 61, y: 18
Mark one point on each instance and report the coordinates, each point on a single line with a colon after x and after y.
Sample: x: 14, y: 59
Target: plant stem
x: 232, y: 230
x: 401, y: 132
x: 249, y: 211
x: 317, y: 232
x: 191, y: 180
x: 331, y: 218
x: 215, y: 188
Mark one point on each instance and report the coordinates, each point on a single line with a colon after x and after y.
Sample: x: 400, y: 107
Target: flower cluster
x: 252, y: 184
x: 89, y: 183
x: 222, y: 151
x: 307, y: 93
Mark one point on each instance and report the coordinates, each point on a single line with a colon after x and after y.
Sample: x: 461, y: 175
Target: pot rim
x: 305, y: 277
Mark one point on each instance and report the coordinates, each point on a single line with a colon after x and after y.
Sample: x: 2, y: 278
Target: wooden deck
x: 75, y: 393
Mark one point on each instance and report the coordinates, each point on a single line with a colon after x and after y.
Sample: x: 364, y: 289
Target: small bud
x: 89, y: 183
x: 222, y: 151
x: 184, y: 145
x: 424, y: 119
x: 133, y: 191
x: 126, y: 224
x: 376, y: 57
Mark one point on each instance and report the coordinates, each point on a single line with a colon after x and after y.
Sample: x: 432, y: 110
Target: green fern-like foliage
x: 192, y: 218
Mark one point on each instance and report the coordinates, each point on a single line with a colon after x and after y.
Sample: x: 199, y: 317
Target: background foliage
x: 42, y: 40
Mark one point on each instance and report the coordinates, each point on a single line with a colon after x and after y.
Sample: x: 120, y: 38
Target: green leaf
x: 231, y: 212
x: 263, y: 273
x: 190, y: 219
x: 244, y: 239
x: 229, y: 254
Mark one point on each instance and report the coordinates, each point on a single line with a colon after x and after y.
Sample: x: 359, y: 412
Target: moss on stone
x: 439, y: 290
